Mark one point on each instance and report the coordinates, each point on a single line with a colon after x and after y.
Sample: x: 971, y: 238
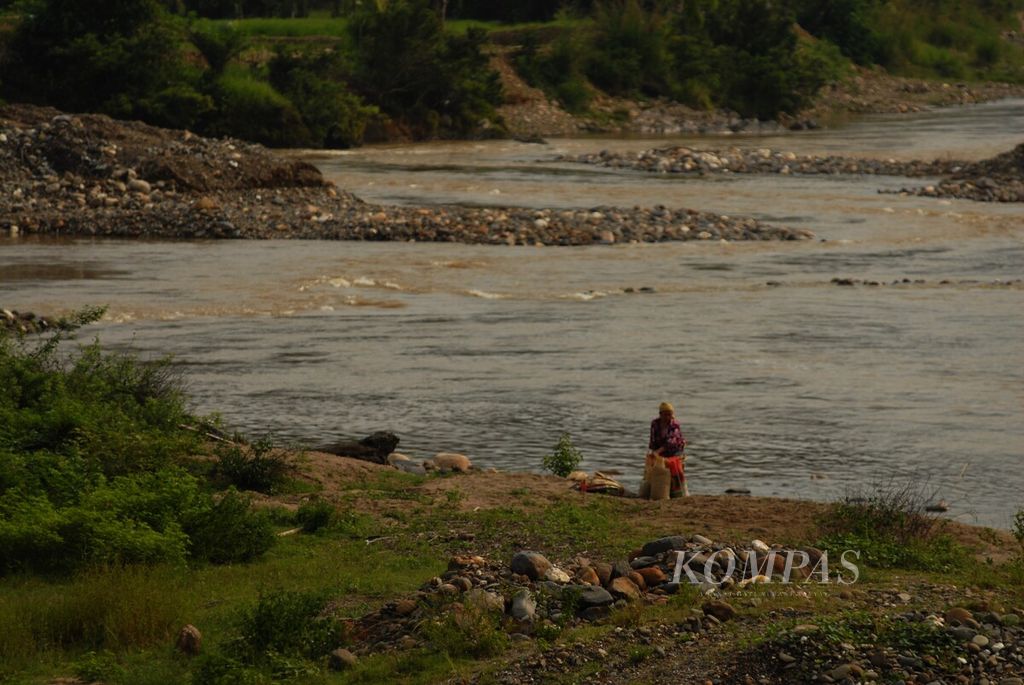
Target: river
x: 799, y: 389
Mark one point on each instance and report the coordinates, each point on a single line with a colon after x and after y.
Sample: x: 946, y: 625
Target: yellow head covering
x: 665, y: 406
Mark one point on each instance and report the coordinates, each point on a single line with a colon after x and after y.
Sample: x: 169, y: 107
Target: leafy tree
x: 121, y: 57
x: 333, y: 115
x: 405, y: 64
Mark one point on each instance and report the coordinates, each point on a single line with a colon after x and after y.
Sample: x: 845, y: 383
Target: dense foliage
x: 399, y: 68
x: 92, y: 466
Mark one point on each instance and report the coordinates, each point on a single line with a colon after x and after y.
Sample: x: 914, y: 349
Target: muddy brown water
x: 801, y: 389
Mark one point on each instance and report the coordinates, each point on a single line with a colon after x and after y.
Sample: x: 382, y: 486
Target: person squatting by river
x: 667, y: 441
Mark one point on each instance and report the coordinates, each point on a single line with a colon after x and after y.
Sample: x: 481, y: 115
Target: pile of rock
x: 91, y: 175
x: 685, y: 160
x: 26, y: 322
x: 999, y: 179
x: 957, y: 646
x: 531, y: 592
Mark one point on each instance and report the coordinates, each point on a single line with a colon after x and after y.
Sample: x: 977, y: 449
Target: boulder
x: 342, y: 659
x: 595, y: 597
x: 637, y: 579
x: 190, y: 640
x: 662, y: 545
x: 588, y: 576
x: 450, y: 461
x: 723, y: 611
x: 604, y: 572
x: 557, y: 575
x: 396, y: 457
x: 958, y: 616
x: 625, y: 588
x: 530, y: 564
x: 524, y: 606
x: 652, y: 575
x: 484, y: 601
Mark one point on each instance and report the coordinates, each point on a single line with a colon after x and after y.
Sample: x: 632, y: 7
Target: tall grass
x: 112, y: 608
x: 272, y: 27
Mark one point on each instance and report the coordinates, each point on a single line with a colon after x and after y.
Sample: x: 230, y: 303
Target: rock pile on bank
x: 999, y: 179
x: 531, y: 594
x: 26, y: 322
x: 685, y: 160
x: 91, y: 175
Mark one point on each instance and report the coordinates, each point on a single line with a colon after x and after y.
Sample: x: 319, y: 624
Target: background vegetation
x: 336, y: 73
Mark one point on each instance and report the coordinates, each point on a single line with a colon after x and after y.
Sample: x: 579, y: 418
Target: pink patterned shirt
x: 670, y: 437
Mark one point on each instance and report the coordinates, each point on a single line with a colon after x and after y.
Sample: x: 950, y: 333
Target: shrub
x: 229, y: 530
x: 315, y: 514
x: 252, y: 109
x: 469, y: 631
x: 405, y: 64
x: 888, y: 524
x: 565, y: 457
x: 105, y: 55
x: 258, y: 466
x: 334, y: 116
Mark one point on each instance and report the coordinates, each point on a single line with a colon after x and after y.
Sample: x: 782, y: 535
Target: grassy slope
x: 396, y: 532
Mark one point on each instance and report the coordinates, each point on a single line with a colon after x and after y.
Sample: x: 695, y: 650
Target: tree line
x: 397, y: 71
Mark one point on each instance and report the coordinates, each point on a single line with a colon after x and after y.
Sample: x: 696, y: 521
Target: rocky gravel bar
x: 93, y: 176
x: 999, y: 179
x: 685, y: 160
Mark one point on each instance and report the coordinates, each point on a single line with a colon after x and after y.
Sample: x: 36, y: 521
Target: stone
x: 637, y: 579
x: 958, y: 615
x: 530, y: 564
x: 451, y: 461
x: 396, y: 457
x: 723, y: 611
x: 557, y: 575
x: 963, y: 633
x: 342, y: 659
x: 662, y: 545
x: 980, y: 640
x: 404, y: 607
x: 625, y: 588
x: 1011, y: 620
x: 805, y: 629
x: 621, y: 568
x: 524, y: 606
x: 588, y: 576
x: 759, y: 546
x: 139, y: 186
x: 604, y: 572
x: 462, y: 583
x: 595, y: 597
x: 701, y: 540
x: 483, y: 600
x: 840, y: 672
x: 642, y: 562
x: 652, y: 576
x: 190, y: 640
x: 594, y: 613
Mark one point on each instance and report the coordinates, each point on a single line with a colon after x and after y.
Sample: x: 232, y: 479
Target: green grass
x: 272, y: 27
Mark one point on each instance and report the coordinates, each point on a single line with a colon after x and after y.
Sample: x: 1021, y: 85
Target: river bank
x: 90, y: 175
x: 529, y: 114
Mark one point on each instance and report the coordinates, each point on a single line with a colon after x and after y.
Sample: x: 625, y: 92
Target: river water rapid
x: 802, y: 389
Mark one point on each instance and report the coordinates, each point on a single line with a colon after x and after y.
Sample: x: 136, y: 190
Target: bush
x: 315, y: 514
x: 111, y: 56
x: 91, y: 472
x: 565, y: 458
x: 888, y: 524
x: 333, y: 115
x: 469, y: 631
x: 432, y: 82
x: 258, y: 466
x: 250, y: 108
x: 229, y: 531
x: 630, y: 50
